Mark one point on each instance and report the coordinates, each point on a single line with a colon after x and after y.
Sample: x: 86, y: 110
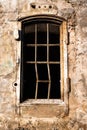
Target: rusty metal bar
x: 36, y: 61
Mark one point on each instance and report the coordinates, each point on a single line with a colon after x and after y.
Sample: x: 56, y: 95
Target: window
x: 42, y: 59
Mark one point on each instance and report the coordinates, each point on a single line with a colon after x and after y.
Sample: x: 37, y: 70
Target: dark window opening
x: 41, y: 33
x: 42, y: 90
x: 54, y: 54
x: 42, y: 72
x: 54, y: 34
x: 55, y: 82
x: 41, y: 53
x: 40, y: 62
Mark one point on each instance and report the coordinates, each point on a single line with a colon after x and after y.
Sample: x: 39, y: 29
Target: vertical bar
x: 49, y: 86
x: 36, y: 61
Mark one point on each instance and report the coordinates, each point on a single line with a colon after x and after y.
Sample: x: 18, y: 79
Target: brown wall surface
x: 49, y: 116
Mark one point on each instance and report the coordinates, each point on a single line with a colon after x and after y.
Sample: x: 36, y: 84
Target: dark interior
x: 40, y: 54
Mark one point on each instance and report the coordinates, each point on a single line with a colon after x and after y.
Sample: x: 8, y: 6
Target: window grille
x: 41, y: 60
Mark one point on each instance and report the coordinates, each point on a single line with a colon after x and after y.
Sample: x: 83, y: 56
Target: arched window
x: 42, y: 58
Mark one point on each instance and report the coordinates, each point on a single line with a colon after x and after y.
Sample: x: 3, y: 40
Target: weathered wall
x: 13, y: 117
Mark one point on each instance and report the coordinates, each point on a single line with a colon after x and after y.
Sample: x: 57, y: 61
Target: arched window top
x: 42, y: 18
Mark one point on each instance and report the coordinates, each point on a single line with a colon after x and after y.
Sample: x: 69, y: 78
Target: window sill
x: 43, y: 102
x: 43, y: 108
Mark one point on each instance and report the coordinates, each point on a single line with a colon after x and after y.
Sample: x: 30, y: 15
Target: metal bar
x: 49, y: 86
x: 43, y: 81
x: 43, y: 62
x: 36, y: 61
x: 33, y: 45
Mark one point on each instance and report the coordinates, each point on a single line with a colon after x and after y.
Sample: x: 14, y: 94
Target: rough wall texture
x: 13, y: 117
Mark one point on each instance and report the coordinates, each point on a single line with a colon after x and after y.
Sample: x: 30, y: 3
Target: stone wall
x: 14, y: 117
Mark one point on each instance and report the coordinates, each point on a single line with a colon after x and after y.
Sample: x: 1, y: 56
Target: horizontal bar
x: 33, y: 45
x: 43, y: 81
x: 42, y: 62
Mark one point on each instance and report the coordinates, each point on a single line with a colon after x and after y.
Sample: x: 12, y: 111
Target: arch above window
x: 49, y: 18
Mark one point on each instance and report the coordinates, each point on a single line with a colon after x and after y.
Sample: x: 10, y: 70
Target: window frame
x: 64, y: 65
